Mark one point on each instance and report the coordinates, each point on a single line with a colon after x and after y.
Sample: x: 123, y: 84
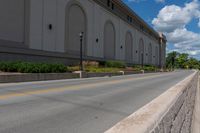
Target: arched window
x: 157, y: 56
x: 150, y: 53
x: 141, y: 51
x: 109, y: 40
x: 129, y: 47
x: 75, y: 24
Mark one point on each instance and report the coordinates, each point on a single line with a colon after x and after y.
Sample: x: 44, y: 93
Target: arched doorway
x: 129, y: 47
x: 141, y: 52
x: 75, y: 24
x: 150, y: 53
x: 109, y: 41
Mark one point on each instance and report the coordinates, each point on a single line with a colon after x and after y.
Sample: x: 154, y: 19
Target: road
x: 78, y: 106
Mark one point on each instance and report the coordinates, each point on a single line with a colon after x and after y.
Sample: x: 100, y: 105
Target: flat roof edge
x: 138, y: 17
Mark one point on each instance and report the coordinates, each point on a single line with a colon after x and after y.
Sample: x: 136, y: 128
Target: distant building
x: 48, y: 30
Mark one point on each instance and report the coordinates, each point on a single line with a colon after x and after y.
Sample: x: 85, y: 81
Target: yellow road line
x: 73, y: 87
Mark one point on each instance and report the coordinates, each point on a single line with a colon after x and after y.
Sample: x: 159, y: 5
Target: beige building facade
x: 48, y: 30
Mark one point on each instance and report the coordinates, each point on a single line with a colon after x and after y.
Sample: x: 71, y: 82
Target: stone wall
x: 18, y: 77
x: 179, y: 117
x: 196, y: 116
x: 169, y: 113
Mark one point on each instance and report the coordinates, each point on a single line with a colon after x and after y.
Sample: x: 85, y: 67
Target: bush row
x: 145, y: 68
x: 112, y: 64
x: 28, y: 67
x: 101, y: 69
x: 107, y: 66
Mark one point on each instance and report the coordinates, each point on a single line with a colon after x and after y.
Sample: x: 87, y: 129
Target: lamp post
x: 173, y: 63
x: 81, y: 50
x: 142, y: 60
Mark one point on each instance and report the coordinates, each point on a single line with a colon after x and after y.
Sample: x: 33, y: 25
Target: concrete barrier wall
x: 196, y: 116
x: 26, y: 77
x: 169, y: 113
x: 88, y: 75
x: 9, y: 78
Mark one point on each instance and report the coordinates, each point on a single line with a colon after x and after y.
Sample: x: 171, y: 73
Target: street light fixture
x: 142, y: 60
x: 81, y: 50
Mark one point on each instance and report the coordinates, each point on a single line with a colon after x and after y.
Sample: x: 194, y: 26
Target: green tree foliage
x: 177, y: 60
x: 182, y: 59
x: 171, y: 60
x: 192, y: 63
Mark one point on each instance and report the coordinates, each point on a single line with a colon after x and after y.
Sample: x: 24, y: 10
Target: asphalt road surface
x: 78, y: 106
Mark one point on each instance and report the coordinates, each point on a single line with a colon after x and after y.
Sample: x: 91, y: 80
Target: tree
x: 181, y: 59
x: 193, y: 63
x: 171, y: 60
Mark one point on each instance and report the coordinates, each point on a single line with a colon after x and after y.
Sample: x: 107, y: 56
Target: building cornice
x: 137, y: 17
x: 137, y: 21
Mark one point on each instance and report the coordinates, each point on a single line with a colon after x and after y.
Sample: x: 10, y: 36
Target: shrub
x: 146, y: 68
x: 137, y: 67
x: 115, y: 64
x: 73, y: 68
x: 28, y: 67
x: 102, y: 63
x: 149, y: 68
x: 101, y: 69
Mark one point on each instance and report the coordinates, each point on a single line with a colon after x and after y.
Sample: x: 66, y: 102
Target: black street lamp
x: 81, y: 50
x: 142, y: 61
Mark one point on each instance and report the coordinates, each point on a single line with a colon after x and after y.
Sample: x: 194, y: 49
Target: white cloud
x: 185, y: 41
x: 199, y: 23
x: 158, y: 1
x: 173, y: 19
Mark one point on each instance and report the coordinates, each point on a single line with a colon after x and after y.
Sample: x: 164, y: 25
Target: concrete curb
x: 163, y: 114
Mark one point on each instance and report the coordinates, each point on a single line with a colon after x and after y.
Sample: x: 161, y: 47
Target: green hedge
x: 28, y: 67
x: 146, y: 68
x: 115, y: 64
x: 137, y: 67
x: 150, y: 68
x: 101, y: 69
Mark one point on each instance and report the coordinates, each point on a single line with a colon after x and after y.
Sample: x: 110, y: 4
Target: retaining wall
x: 169, y: 113
x: 196, y: 116
x: 26, y: 77
x: 9, y: 78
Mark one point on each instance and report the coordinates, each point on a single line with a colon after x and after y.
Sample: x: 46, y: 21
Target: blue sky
x: 179, y: 20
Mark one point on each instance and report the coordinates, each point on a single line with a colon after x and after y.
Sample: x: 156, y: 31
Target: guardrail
x: 171, y: 112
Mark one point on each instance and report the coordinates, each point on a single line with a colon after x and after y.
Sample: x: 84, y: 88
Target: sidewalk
x: 196, y: 118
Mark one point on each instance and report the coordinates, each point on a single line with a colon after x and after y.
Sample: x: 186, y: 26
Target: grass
x: 94, y: 69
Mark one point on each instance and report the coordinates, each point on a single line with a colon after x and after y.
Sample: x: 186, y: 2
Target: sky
x: 179, y: 20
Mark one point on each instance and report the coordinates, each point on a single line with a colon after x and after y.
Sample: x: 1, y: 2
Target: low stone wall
x: 169, y: 113
x: 196, y: 116
x: 88, y: 75
x: 8, y: 78
x: 26, y: 77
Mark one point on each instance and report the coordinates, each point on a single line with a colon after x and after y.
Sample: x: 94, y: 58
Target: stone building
x: 48, y: 30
